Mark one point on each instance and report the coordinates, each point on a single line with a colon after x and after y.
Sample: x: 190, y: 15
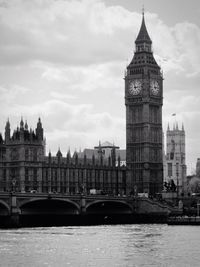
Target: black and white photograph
x: 99, y: 133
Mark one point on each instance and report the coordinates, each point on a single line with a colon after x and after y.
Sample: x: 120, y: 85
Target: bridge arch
x: 109, y: 207
x: 4, y: 208
x: 41, y: 206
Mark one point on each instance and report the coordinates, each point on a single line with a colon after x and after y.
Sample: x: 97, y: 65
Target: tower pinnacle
x: 143, y: 36
x: 143, y: 10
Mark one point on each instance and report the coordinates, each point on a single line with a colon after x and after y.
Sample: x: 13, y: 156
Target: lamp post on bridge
x: 13, y: 185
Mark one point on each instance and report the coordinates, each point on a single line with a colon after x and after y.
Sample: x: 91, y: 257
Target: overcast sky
x: 64, y: 61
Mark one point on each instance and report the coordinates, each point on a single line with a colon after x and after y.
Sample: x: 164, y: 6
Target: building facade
x: 24, y: 167
x: 174, y: 164
x: 143, y: 100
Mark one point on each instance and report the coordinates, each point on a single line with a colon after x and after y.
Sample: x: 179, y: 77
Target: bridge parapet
x: 24, y: 204
x: 148, y: 206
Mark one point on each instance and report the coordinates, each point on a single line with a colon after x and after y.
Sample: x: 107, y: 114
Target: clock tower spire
x: 143, y: 100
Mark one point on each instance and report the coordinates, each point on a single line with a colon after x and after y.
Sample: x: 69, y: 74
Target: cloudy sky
x: 64, y: 61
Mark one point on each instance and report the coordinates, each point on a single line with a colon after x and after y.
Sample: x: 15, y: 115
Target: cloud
x: 70, y: 32
x: 88, y: 78
x: 11, y: 92
x: 83, y: 32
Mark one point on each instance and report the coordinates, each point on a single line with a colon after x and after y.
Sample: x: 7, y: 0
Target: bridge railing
x: 61, y: 187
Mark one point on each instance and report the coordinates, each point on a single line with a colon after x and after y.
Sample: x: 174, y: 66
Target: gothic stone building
x: 174, y: 161
x: 24, y: 165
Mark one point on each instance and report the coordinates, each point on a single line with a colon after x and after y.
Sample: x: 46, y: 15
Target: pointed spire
x: 183, y: 127
x: 68, y: 153
x: 1, y: 139
x: 177, y: 126
x: 49, y: 158
x: 68, y: 156
x: 26, y: 125
x: 39, y: 123
x: 59, y: 154
x: 75, y: 157
x: 143, y: 10
x: 7, y: 131
x: 39, y: 130
x: 21, y: 124
x: 7, y: 124
x: 143, y: 36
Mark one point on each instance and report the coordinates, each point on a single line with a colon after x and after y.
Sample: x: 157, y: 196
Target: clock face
x: 135, y: 87
x: 154, y: 86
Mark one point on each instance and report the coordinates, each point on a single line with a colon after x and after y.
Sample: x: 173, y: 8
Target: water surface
x: 118, y: 245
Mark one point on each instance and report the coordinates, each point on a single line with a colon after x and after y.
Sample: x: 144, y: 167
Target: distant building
x: 105, y: 150
x: 174, y: 160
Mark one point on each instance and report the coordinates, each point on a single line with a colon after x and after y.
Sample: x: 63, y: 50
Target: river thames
x: 106, y: 245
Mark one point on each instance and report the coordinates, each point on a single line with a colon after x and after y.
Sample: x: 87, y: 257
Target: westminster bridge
x: 60, y: 209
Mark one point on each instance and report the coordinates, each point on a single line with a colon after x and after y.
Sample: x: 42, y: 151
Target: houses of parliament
x: 24, y: 165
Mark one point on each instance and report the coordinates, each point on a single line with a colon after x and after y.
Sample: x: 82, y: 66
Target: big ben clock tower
x: 143, y: 100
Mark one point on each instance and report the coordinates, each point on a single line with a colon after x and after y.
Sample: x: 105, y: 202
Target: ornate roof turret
x: 75, y: 157
x: 7, y: 131
x: 39, y: 124
x: 26, y: 126
x: 69, y: 154
x: 39, y: 130
x: 7, y: 124
x: 59, y: 154
x: 21, y: 124
x: 49, y: 157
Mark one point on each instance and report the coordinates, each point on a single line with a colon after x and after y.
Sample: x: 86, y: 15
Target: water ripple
x: 119, y: 245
